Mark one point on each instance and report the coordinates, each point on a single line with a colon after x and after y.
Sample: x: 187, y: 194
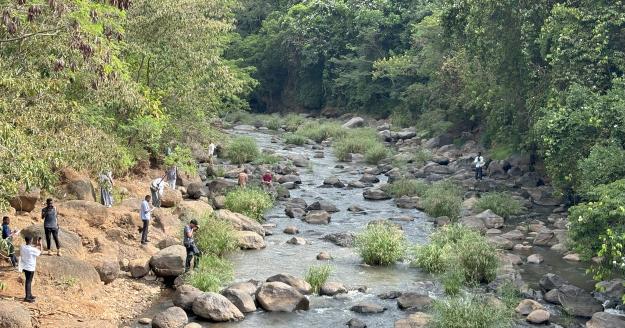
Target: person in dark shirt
x: 51, y: 225
x: 189, y: 244
x: 7, y: 236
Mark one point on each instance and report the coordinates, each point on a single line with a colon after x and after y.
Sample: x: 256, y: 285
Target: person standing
x: 51, y: 225
x: 172, y: 175
x: 243, y: 178
x: 156, y: 188
x: 146, y: 214
x: 211, y: 152
x: 7, y: 235
x: 28, y: 262
x: 479, y: 166
x: 189, y: 244
x: 106, y: 188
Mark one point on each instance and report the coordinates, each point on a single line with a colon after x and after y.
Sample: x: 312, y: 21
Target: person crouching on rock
x: 7, y: 236
x: 146, y: 214
x: 243, y: 178
x: 189, y: 244
x: 28, y: 262
x: 51, y: 225
x: 156, y: 189
x: 267, y: 180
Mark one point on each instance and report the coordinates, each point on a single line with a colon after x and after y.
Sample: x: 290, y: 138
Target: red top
x: 267, y: 177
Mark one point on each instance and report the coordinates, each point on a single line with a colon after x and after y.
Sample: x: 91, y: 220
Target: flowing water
x: 280, y: 257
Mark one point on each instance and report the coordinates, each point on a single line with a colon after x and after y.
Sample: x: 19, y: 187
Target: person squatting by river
x: 156, y: 189
x: 479, y: 166
x: 106, y: 188
x: 243, y: 178
x: 189, y: 244
x: 7, y: 236
x: 267, y: 180
x: 51, y: 226
x: 146, y: 214
x: 28, y: 263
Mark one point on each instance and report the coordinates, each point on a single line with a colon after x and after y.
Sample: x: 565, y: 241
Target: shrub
x: 242, y: 150
x: 443, y: 199
x: 215, y: 237
x: 407, y: 187
x: 293, y: 121
x: 211, y: 274
x: 316, y: 276
x: 376, y: 153
x: 422, y: 156
x: 470, y: 311
x: 294, y: 139
x: 356, y: 141
x: 239, y: 116
x: 267, y: 159
x: 274, y: 123
x: 252, y: 202
x: 501, y: 203
x: 401, y: 118
x: 601, y: 166
x: 322, y: 131
x: 433, y: 123
x: 183, y: 159
x: 381, y: 244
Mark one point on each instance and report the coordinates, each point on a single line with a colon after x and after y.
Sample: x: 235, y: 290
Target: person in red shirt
x: 267, y: 179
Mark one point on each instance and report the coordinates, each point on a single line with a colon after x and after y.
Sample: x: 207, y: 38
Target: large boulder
x: 342, y: 239
x: 171, y: 198
x: 545, y: 237
x: 216, y: 307
x: 605, y: 320
x: 538, y: 317
x: 368, y: 307
x: 414, y: 301
x: 612, y: 290
x: 173, y: 317
x: 81, y: 188
x: 551, y: 281
x: 317, y: 217
x: 295, y: 179
x: 71, y: 244
x: 354, y: 122
x: 185, y: 295
x: 25, y: 200
x: 483, y: 221
x: 280, y: 297
x: 169, y: 262
x: 332, y: 288
x: 241, y: 299
x: 299, y: 160
x: 295, y: 212
x: 107, y: 267
x: 375, y: 194
x: 14, y: 315
x: 527, y: 306
x: 197, y: 190
x: 67, y: 267
x: 578, y: 302
x: 300, y: 284
x: 220, y: 185
x: 139, y: 268
x: 240, y: 221
x: 322, y: 205
x: 250, y: 240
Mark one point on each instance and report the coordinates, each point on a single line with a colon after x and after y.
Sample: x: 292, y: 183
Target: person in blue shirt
x: 7, y: 236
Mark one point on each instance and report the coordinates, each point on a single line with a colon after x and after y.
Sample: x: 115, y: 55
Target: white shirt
x: 28, y: 257
x: 211, y: 149
x: 145, y: 213
x: 479, y: 161
x: 160, y: 184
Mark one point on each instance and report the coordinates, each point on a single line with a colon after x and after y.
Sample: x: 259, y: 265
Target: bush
x: 356, y: 141
x: 183, y: 159
x: 215, y: 237
x: 211, y: 274
x: 267, y: 159
x: 274, y: 123
x: 240, y: 116
x: 316, y: 276
x: 406, y: 187
x: 470, y: 311
x: 294, y: 139
x: 242, y: 150
x: 381, y: 244
x: 501, y: 203
x: 602, y: 166
x: 376, y: 154
x: 319, y: 132
x: 443, y: 199
x: 434, y: 123
x: 401, y: 118
x: 252, y: 202
x: 457, y: 249
x: 293, y: 121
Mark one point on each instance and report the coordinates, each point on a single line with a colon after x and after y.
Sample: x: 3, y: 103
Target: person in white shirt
x: 146, y: 214
x: 28, y: 263
x: 156, y: 188
x: 479, y: 165
x: 211, y: 152
x: 172, y: 175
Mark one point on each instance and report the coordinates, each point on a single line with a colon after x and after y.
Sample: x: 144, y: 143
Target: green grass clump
x: 407, y: 187
x: 242, y: 150
x: 461, y: 254
x: 376, y: 154
x: 381, y: 244
x: 267, y: 159
x: 215, y: 237
x: 319, y: 132
x: 401, y: 118
x: 252, y: 202
x: 501, y: 152
x: 356, y: 141
x: 293, y: 121
x: 317, y: 275
x: 443, y: 198
x: 501, y: 203
x: 239, y: 116
x: 294, y: 139
x: 211, y: 274
x: 274, y: 123
x: 470, y: 311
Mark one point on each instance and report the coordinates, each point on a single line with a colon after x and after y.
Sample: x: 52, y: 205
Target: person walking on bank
x: 51, y: 226
x: 211, y: 152
x: 28, y: 262
x: 106, y: 188
x: 146, y: 214
x: 189, y: 244
x: 172, y: 175
x: 156, y: 188
x: 479, y: 166
x: 7, y: 235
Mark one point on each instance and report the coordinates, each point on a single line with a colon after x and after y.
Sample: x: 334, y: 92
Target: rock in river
x: 375, y: 194
x: 216, y: 307
x: 368, y: 308
x: 173, y: 317
x: 300, y: 284
x: 280, y: 297
x: 317, y: 217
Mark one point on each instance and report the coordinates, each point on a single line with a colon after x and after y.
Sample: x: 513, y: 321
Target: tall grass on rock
x: 376, y: 154
x: 503, y: 204
x: 294, y: 139
x: 317, y: 275
x: 215, y: 237
x: 406, y: 187
x: 211, y: 274
x: 321, y: 131
x: 242, y: 150
x: 443, y: 198
x: 252, y: 202
x: 356, y: 141
x: 381, y: 244
x: 470, y: 311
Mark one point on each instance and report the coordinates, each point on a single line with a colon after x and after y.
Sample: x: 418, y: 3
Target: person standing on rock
x: 479, y: 166
x: 211, y: 152
x: 172, y: 175
x: 189, y: 244
x: 106, y: 188
x: 156, y: 188
x: 243, y: 178
x: 146, y: 214
x: 28, y: 263
x: 7, y: 235
x: 51, y: 226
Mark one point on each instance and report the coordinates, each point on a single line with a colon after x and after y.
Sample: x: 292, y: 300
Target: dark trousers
x: 192, y: 255
x: 478, y: 173
x: 144, y: 231
x: 28, y: 283
x: 55, y: 234
x: 156, y: 197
